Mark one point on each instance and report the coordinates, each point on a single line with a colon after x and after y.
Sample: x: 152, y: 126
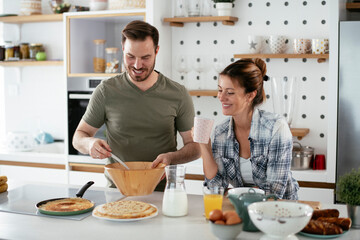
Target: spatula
x: 118, y: 160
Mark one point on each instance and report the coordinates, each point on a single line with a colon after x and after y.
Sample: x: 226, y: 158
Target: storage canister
x: 34, y: 49
x: 9, y: 52
x: 2, y: 53
x: 112, y: 60
x: 24, y: 51
x: 126, y: 4
x: 99, y: 58
x: 30, y: 7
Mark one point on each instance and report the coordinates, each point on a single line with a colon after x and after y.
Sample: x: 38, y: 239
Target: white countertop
x: 192, y: 226
x: 54, y: 154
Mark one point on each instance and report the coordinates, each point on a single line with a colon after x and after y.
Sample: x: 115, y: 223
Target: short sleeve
x: 95, y: 111
x: 185, y: 118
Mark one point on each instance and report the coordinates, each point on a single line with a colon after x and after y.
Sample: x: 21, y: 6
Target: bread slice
x: 125, y: 210
x: 67, y: 205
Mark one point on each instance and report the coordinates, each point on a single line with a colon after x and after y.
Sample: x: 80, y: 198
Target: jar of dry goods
x: 112, y: 60
x: 2, y: 53
x: 34, y: 49
x: 99, y: 58
x: 24, y: 51
x: 9, y: 52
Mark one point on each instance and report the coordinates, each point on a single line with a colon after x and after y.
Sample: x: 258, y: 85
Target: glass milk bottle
x: 175, y: 202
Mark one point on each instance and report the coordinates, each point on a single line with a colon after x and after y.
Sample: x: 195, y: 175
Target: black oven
x: 77, y: 103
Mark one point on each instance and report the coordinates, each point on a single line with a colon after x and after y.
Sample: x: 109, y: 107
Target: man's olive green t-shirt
x: 140, y: 124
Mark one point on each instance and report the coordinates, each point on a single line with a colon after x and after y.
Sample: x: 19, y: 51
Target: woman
x: 252, y: 147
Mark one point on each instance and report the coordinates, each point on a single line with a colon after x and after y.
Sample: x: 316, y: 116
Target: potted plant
x: 348, y: 191
x: 224, y: 7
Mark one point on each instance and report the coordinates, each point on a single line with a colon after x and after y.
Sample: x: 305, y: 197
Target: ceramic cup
x: 320, y: 45
x: 302, y: 46
x: 255, y: 43
x: 202, y: 129
x: 277, y: 44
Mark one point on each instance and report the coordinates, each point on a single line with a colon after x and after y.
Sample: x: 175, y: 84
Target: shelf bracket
x: 177, y: 24
x: 228, y: 23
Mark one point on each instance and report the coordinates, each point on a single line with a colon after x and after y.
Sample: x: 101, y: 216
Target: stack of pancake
x: 3, y: 184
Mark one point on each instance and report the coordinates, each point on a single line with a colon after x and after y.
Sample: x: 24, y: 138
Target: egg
x: 228, y: 214
x: 215, y: 215
x: 221, y: 222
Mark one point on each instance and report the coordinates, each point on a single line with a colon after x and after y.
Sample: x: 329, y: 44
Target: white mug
x: 277, y: 44
x: 255, y: 44
x: 320, y: 45
x: 302, y: 46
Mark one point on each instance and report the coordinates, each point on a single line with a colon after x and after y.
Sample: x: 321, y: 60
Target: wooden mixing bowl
x: 140, y: 180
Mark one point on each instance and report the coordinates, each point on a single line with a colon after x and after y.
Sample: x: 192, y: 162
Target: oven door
x: 77, y: 104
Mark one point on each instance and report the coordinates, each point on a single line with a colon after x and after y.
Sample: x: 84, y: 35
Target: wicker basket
x: 125, y: 4
x: 30, y: 7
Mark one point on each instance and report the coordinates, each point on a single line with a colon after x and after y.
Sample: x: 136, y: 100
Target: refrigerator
x: 348, y: 131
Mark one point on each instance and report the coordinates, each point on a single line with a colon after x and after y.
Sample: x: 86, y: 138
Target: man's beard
x: 139, y: 78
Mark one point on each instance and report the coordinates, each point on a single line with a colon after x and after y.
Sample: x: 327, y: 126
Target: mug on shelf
x: 277, y: 44
x: 320, y: 45
x: 255, y: 43
x: 302, y: 45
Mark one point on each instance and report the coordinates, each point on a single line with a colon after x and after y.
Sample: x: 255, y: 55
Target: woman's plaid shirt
x: 271, y: 153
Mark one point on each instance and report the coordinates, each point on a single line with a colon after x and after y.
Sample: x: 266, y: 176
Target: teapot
x: 241, y: 203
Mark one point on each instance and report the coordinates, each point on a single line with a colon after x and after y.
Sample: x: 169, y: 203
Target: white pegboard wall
x: 293, y: 19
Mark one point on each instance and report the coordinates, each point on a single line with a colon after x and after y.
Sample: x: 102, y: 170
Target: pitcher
x: 175, y: 202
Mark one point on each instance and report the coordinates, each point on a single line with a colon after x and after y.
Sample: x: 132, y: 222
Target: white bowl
x: 280, y: 219
x: 240, y: 190
x: 225, y: 232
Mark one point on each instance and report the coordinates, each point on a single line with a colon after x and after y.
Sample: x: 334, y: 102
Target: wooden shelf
x: 209, y: 93
x: 92, y: 74
x: 320, y: 57
x: 353, y: 7
x: 31, y: 63
x: 179, y: 21
x: 299, y: 132
x: 33, y: 18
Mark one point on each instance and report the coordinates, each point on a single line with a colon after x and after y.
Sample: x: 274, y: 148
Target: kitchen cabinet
x: 83, y: 28
x: 179, y: 21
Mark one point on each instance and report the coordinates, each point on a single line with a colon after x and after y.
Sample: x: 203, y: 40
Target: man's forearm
x: 187, y: 153
x: 81, y: 141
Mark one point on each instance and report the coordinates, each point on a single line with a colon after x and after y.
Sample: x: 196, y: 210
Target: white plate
x: 126, y: 219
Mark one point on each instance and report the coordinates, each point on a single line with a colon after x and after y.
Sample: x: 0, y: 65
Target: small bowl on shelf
x: 59, y: 6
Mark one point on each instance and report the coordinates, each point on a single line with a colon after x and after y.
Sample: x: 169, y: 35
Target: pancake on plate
x: 67, y: 205
x: 125, y: 210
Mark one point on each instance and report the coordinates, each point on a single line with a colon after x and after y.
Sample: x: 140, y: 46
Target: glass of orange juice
x: 213, y: 198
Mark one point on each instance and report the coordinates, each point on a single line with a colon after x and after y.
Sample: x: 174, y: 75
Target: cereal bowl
x: 225, y: 232
x: 280, y: 219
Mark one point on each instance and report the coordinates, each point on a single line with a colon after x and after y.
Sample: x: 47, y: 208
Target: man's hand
x: 98, y: 148
x: 162, y: 158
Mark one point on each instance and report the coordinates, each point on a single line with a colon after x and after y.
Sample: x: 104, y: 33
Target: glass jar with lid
x: 24, y: 51
x: 9, y: 52
x: 99, y: 58
x: 112, y: 60
x: 34, y: 49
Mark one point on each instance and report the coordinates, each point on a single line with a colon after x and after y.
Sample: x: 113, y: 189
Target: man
x: 142, y: 109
